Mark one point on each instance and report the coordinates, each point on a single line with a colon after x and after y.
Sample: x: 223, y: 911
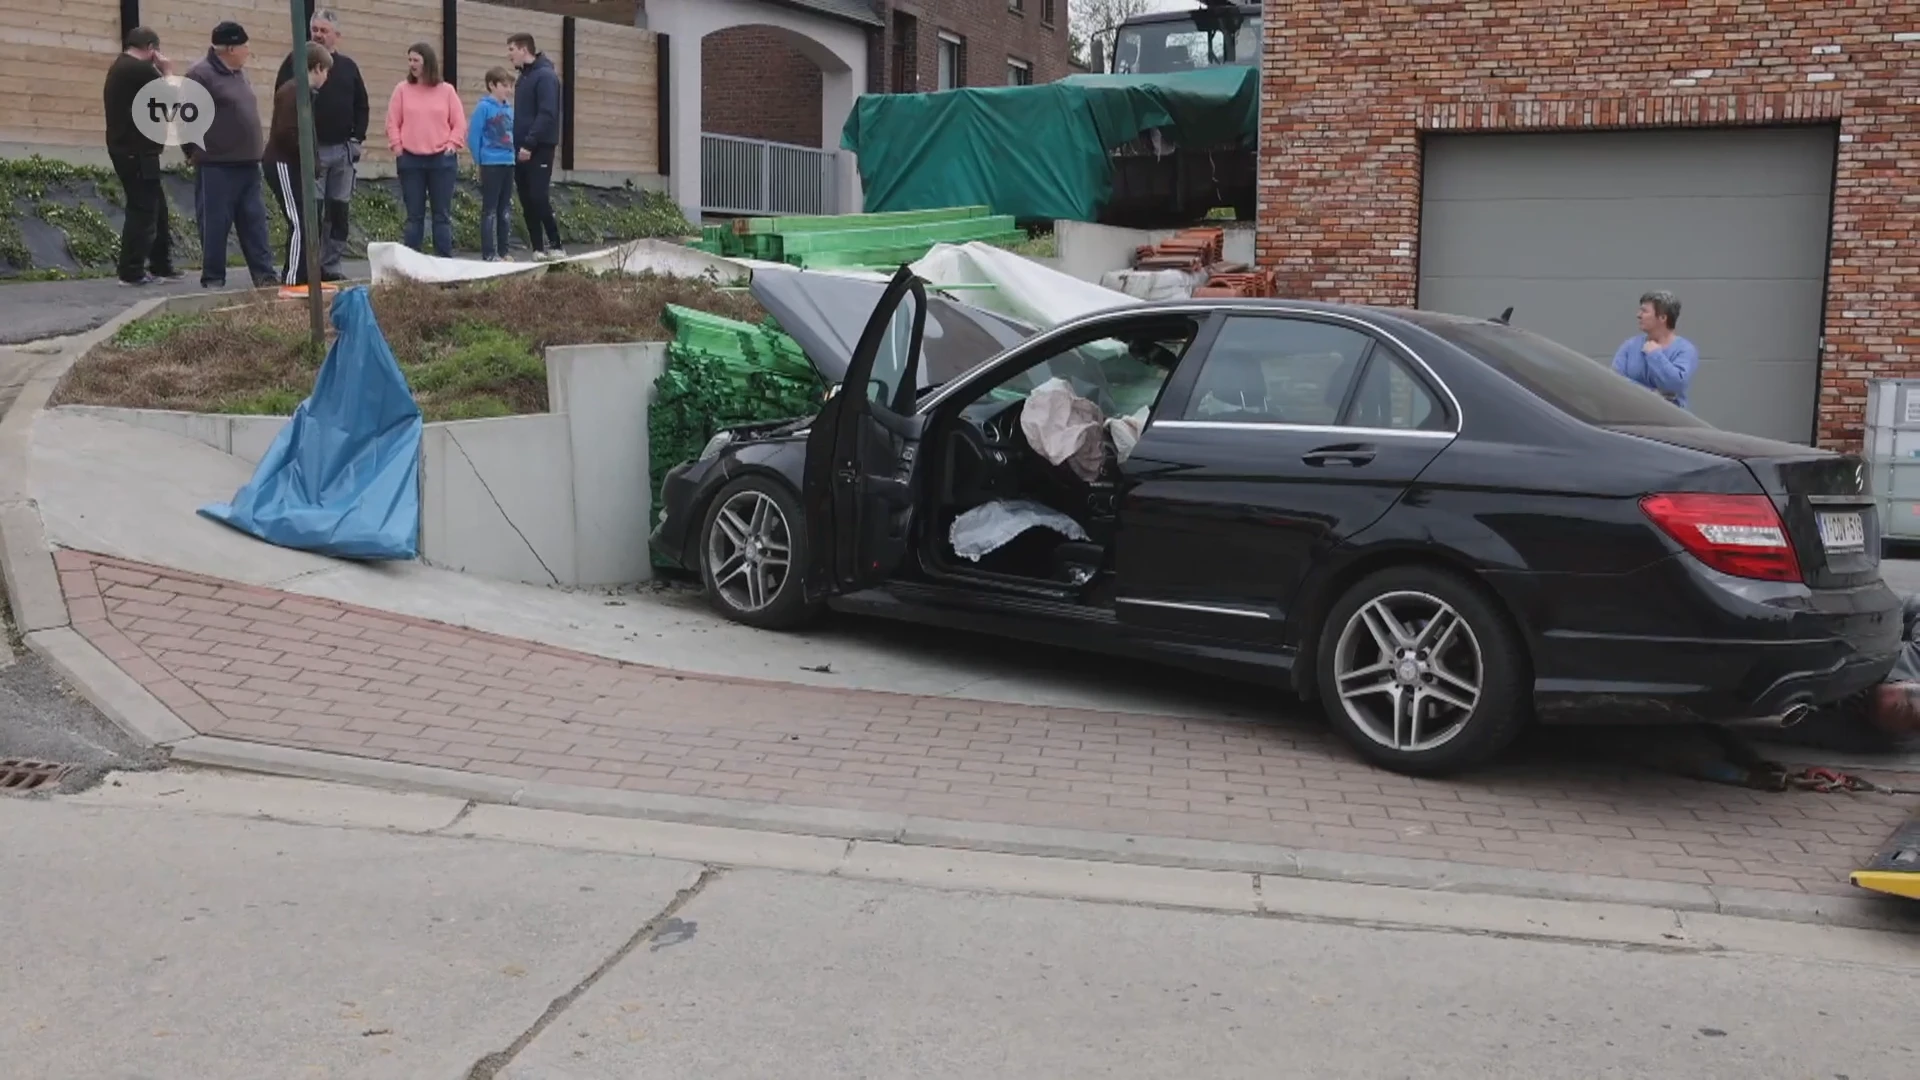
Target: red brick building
x: 757, y: 86
x: 1762, y: 159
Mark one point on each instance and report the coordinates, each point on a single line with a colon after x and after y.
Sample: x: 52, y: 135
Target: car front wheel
x: 1421, y: 672
x: 753, y: 548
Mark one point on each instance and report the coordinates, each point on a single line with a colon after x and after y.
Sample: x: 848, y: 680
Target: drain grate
x: 17, y: 777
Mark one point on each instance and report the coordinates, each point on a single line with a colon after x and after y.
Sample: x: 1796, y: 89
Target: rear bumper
x: 1678, y: 642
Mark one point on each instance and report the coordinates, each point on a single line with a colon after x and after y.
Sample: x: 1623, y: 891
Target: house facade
x: 1761, y: 160
x: 758, y: 86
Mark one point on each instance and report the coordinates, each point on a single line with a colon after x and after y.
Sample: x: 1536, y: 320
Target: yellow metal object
x: 1892, y: 882
x: 1895, y: 869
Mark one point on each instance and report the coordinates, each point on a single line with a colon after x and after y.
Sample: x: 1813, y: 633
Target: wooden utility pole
x: 309, y: 164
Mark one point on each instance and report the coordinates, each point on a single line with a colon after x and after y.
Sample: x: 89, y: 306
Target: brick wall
x: 757, y: 86
x: 993, y: 34
x: 1347, y: 91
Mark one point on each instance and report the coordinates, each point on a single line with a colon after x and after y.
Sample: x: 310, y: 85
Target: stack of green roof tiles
x: 721, y: 372
x: 857, y: 240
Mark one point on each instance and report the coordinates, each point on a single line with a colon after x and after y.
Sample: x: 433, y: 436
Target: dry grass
x: 468, y: 351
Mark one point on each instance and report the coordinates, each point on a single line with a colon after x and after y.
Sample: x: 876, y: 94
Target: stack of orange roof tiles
x: 1191, y: 250
x: 1255, y: 283
x: 1201, y: 251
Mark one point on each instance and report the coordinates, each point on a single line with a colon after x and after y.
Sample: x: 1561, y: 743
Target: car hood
x: 826, y: 313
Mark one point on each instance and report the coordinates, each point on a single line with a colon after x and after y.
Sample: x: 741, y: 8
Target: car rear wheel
x: 1421, y: 672
x: 753, y: 546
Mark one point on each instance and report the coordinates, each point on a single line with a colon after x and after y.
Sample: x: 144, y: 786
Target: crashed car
x: 1440, y: 527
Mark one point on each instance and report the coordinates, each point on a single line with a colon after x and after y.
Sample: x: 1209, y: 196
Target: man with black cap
x: 227, y: 192
x: 146, y: 240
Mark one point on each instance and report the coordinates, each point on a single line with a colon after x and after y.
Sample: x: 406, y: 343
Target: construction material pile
x: 720, y: 373
x: 856, y: 241
x: 1190, y: 263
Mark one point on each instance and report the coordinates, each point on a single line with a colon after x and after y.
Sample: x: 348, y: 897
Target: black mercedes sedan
x: 1441, y: 528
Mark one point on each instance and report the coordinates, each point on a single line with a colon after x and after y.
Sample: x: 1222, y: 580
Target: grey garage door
x: 1570, y: 229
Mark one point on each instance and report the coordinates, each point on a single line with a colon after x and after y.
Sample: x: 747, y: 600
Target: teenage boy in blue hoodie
x: 490, y: 135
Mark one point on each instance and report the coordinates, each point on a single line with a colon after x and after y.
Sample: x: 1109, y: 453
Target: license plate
x: 1842, y: 532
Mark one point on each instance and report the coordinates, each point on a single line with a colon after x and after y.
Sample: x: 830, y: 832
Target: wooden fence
x: 54, y: 56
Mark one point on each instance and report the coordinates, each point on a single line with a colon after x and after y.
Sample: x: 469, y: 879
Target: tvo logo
x: 173, y: 110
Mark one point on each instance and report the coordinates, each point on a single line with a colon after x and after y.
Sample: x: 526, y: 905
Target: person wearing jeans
x: 426, y: 127
x: 146, y: 240
x: 226, y: 182
x: 536, y: 132
x: 490, y: 141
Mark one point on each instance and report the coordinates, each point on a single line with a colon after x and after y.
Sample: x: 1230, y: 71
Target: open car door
x: 860, y: 493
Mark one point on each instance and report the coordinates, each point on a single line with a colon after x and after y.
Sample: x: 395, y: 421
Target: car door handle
x: 1344, y: 454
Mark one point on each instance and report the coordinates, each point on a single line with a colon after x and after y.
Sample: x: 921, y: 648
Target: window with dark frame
x: 952, y: 69
x: 906, y: 53
x: 1018, y: 7
x: 1019, y: 72
x: 1048, y: 12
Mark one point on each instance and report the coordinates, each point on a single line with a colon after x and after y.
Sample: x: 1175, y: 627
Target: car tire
x: 1400, y: 706
x: 745, y: 582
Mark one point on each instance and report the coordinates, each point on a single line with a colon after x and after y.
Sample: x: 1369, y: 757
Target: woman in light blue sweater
x: 490, y: 138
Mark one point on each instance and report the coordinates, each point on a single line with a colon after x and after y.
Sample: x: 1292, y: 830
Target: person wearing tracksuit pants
x: 340, y: 115
x: 284, y: 174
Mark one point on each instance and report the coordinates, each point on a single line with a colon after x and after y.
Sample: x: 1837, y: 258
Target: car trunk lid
x: 1822, y: 497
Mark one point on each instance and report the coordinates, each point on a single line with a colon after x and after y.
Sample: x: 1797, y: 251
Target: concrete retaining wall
x: 559, y: 498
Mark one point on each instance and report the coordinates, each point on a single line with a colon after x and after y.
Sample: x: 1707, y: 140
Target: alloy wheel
x: 1408, y: 670
x: 749, y: 551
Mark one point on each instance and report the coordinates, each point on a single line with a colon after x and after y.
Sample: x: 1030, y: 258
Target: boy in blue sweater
x: 491, y: 137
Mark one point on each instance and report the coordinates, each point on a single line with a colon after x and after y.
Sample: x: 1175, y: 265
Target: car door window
x: 890, y: 363
x: 1277, y: 371
x: 1391, y: 398
x: 1121, y: 374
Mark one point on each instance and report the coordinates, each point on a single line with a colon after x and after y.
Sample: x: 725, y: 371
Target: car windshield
x: 1575, y: 384
x: 1201, y: 41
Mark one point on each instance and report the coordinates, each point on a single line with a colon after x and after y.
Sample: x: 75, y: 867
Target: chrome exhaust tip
x: 1794, y: 714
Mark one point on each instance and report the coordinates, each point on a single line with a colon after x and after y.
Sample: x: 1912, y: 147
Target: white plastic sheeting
x: 1021, y: 288
x: 392, y: 261
x: 993, y: 525
x: 1142, y: 285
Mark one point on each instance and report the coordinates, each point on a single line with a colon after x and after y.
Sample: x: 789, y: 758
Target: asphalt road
x: 153, y: 941
x: 32, y: 310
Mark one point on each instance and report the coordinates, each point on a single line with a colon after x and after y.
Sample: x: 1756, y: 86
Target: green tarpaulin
x: 1036, y: 151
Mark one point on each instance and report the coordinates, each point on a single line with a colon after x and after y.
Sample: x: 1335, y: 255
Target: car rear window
x: 1575, y: 384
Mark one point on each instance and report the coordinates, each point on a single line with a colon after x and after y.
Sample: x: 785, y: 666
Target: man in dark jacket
x: 339, y: 127
x: 227, y: 190
x: 146, y: 240
x: 536, y: 131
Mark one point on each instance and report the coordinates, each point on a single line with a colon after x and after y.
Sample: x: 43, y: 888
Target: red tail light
x: 1741, y: 535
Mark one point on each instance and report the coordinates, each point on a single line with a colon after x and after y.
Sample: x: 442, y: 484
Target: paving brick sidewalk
x: 271, y: 667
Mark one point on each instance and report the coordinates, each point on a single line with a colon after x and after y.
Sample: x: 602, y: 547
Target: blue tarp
x: 343, y: 478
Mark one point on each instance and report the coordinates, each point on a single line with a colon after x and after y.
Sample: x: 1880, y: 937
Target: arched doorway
x: 781, y: 86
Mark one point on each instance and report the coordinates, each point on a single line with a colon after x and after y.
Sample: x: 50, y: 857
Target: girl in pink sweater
x: 426, y: 127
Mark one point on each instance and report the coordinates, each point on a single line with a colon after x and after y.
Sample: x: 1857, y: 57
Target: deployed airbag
x: 991, y: 526
x: 1065, y: 428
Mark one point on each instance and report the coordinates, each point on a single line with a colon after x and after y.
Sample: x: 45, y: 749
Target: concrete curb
x: 911, y: 831
x: 118, y: 696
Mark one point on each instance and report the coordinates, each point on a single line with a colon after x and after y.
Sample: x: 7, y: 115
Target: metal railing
x: 754, y: 176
